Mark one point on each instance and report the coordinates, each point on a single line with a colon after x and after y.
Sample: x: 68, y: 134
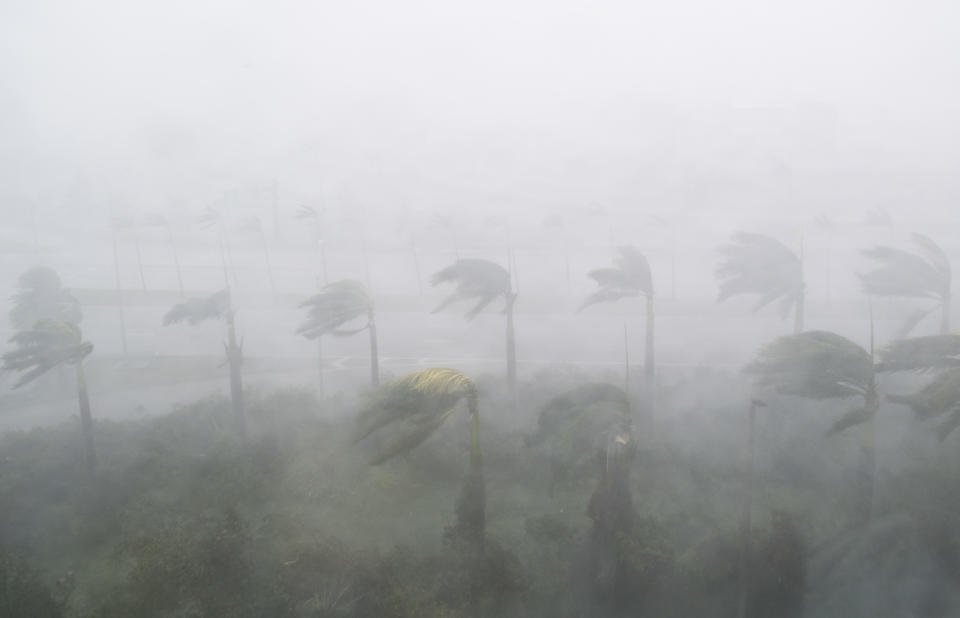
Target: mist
x: 504, y: 309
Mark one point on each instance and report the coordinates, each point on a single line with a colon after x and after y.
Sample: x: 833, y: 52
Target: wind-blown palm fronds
x: 822, y: 365
x: 475, y: 278
x: 332, y: 310
x: 414, y: 406
x: 217, y: 306
x: 759, y: 265
x: 483, y: 281
x: 48, y: 344
x: 929, y: 353
x: 578, y: 422
x: 814, y: 364
x: 629, y: 276
x: 196, y: 310
x: 337, y: 304
x: 41, y: 296
x: 925, y: 274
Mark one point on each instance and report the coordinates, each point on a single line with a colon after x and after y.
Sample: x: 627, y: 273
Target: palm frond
x: 906, y: 274
x: 946, y: 427
x: 475, y: 279
x: 921, y: 354
x: 756, y: 264
x: 196, y: 310
x: 337, y: 304
x: 40, y: 296
x: 629, y: 276
x: 938, y: 397
x: 813, y: 364
x: 853, y: 417
x: 584, y: 399
x: 417, y: 403
x: 307, y: 212
x: 48, y: 344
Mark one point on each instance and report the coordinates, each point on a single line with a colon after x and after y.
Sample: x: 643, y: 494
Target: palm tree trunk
x: 116, y: 275
x: 472, y: 502
x: 320, y: 384
x: 176, y: 259
x: 945, y: 315
x: 866, y: 469
x: 745, y: 576
x: 374, y: 355
x: 511, y: 353
x: 86, y: 419
x: 798, y: 312
x: 235, y: 362
x: 649, y: 361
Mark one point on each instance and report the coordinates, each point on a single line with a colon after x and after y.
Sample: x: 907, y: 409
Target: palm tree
x: 924, y: 274
x: 759, y: 265
x: 571, y: 422
x: 940, y: 398
x: 218, y: 306
x: 630, y: 276
x: 483, y: 281
x: 52, y: 343
x: 414, y: 406
x: 745, y: 578
x: 824, y: 365
x: 329, y: 312
x: 41, y: 295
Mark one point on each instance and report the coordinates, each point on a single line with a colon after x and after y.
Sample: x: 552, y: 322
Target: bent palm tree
x: 925, y: 274
x: 41, y: 296
x: 759, y: 265
x: 51, y: 343
x: 483, y: 281
x: 940, y: 398
x: 217, y: 306
x: 824, y: 365
x: 329, y: 313
x: 415, y: 405
x: 571, y: 424
x: 630, y: 276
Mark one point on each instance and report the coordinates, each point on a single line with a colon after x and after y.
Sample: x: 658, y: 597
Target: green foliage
x: 48, y: 344
x: 413, y: 406
x: 337, y: 304
x: 22, y: 592
x: 629, y: 276
x: 814, y: 364
x: 925, y: 274
x: 759, y: 265
x: 196, y: 310
x: 475, y: 279
x: 40, y: 296
x: 921, y: 354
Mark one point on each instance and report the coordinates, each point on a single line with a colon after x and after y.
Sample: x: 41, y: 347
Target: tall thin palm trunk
x: 235, y: 361
x: 176, y: 259
x: 945, y: 315
x: 116, y: 274
x: 799, y: 311
x: 649, y: 361
x: 86, y: 418
x: 374, y: 355
x: 511, y: 352
x: 867, y: 464
x: 320, y: 384
x: 746, y: 582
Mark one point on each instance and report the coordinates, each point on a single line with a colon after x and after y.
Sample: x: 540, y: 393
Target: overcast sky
x: 482, y: 104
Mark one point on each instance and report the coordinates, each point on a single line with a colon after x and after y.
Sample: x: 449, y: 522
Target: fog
x: 152, y: 156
